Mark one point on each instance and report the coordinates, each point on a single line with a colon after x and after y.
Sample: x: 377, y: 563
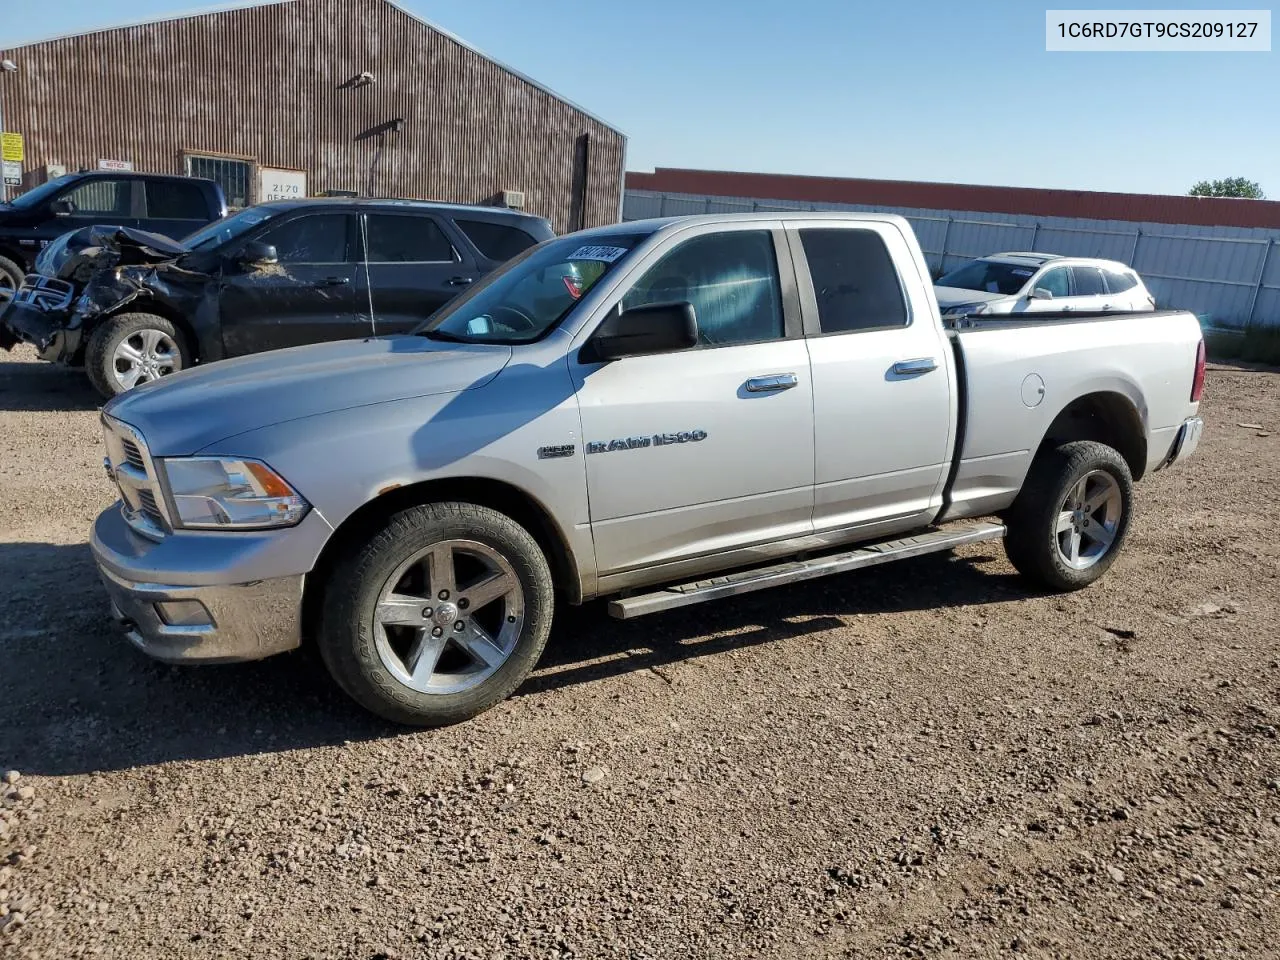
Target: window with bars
x: 234, y: 176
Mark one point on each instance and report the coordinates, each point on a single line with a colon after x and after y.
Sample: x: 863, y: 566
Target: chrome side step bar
x: 795, y: 571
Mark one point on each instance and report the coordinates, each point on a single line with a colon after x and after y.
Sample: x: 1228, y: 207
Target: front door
x: 882, y: 388
x: 413, y: 269
x: 308, y: 296
x: 709, y: 449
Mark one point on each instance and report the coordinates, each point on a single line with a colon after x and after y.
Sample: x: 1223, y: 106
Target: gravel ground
x: 924, y: 759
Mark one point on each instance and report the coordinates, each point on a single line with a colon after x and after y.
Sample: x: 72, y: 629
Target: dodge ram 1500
x: 660, y: 412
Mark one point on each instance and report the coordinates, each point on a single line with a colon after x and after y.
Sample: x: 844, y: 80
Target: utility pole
x: 6, y: 66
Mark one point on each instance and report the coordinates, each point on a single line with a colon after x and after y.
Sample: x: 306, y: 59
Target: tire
x: 1043, y: 527
x: 153, y: 337
x: 374, y: 660
x: 11, y: 275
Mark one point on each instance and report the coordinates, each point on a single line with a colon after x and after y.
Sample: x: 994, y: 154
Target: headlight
x: 213, y: 493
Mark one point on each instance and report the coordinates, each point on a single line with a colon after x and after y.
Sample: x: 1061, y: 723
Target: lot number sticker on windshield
x: 1022, y: 273
x: 607, y: 254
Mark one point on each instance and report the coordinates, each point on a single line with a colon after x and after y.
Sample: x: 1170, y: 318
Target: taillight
x: 573, y: 285
x: 1197, y: 382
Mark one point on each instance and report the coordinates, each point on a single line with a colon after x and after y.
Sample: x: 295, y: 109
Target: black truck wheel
x: 133, y: 348
x: 1071, y: 519
x: 10, y: 278
x: 440, y: 615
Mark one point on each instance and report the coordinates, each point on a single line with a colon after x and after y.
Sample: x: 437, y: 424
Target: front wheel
x: 1071, y: 519
x: 439, y: 616
x: 131, y: 349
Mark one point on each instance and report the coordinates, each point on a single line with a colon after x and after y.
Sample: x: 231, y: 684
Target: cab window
x: 730, y: 278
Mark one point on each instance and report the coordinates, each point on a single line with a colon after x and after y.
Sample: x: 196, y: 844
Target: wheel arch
x: 1105, y: 416
x: 497, y: 495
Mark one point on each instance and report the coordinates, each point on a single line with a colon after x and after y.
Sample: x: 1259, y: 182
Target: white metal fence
x: 1229, y: 276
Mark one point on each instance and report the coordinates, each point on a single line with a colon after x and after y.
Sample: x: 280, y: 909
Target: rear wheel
x: 131, y: 349
x: 439, y: 616
x: 1072, y: 516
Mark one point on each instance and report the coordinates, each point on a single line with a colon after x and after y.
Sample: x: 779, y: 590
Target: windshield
x: 528, y: 297
x: 227, y: 229
x: 988, y: 275
x: 37, y: 196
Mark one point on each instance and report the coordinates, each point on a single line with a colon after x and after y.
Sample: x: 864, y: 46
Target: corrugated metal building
x: 1215, y: 257
x: 360, y: 96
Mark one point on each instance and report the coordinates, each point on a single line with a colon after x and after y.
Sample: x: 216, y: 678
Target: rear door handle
x: 460, y: 281
x: 906, y: 368
x: 334, y: 282
x: 772, y: 383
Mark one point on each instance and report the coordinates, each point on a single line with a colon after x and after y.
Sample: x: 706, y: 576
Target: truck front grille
x: 131, y: 468
x: 132, y: 455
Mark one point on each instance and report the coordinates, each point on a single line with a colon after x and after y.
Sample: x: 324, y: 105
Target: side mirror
x: 254, y: 252
x: 1040, y: 293
x: 655, y: 328
x: 62, y: 208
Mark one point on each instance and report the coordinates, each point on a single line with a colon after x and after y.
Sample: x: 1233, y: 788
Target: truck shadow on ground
x: 45, y: 387
x: 76, y: 698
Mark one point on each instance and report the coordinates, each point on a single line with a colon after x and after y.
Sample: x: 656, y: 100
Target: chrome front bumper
x: 202, y: 622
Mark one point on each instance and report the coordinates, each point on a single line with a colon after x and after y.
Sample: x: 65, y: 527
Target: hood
x: 954, y: 296
x: 184, y: 413
x: 115, y: 246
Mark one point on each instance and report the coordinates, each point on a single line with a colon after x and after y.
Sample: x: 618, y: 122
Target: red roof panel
x: 1091, y: 205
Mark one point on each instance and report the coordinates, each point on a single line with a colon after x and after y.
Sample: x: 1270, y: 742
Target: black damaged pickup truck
x: 171, y: 205
x: 132, y: 306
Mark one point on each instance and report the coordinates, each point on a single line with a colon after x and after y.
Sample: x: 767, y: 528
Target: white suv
x: 1040, y: 283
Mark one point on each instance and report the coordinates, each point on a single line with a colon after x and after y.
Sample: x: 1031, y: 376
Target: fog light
x: 183, y: 613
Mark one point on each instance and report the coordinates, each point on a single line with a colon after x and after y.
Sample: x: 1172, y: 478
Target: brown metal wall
x: 1138, y: 207
x: 266, y: 84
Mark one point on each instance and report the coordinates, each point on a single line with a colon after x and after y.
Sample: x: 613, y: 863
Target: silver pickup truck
x: 661, y: 412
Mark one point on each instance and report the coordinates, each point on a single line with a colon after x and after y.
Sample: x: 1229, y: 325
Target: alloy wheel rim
x: 449, y: 617
x: 143, y: 356
x: 1089, y: 520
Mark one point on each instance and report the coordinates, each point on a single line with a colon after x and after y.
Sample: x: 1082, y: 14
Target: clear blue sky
x: 938, y: 90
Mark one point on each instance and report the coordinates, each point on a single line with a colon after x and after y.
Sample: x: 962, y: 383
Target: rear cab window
x: 174, y: 200
x: 855, y: 283
x: 496, y: 241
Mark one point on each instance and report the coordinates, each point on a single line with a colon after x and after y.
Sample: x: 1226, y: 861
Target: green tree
x: 1230, y: 187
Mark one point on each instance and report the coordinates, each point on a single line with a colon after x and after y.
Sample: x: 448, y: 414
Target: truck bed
x: 1017, y: 375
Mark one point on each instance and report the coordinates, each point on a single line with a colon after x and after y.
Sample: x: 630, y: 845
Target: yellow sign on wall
x: 11, y: 147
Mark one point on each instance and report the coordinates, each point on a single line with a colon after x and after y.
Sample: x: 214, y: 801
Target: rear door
x: 174, y: 208
x: 1088, y: 289
x: 413, y: 269
x: 883, y: 388
x: 707, y: 450
x: 309, y: 296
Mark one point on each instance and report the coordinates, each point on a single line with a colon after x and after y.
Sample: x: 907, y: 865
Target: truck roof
x: 654, y: 224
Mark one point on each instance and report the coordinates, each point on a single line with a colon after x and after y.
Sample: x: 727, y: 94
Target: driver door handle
x: 334, y: 282
x: 460, y: 281
x: 772, y: 383
x: 906, y: 368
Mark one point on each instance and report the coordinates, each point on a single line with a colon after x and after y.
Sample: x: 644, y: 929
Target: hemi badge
x: 557, y: 452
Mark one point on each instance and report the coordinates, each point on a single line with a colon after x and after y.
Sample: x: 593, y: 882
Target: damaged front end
x: 84, y: 276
